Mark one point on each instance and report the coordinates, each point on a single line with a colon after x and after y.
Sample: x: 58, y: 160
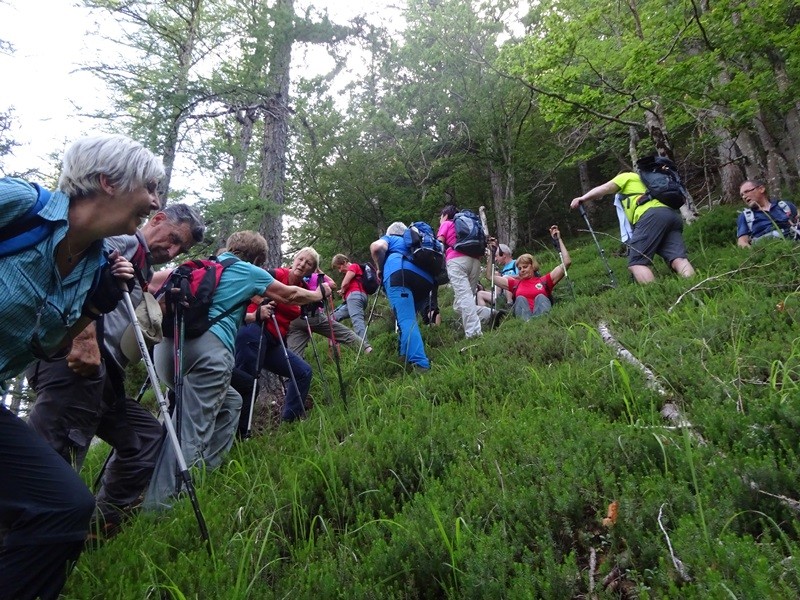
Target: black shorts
x: 659, y: 231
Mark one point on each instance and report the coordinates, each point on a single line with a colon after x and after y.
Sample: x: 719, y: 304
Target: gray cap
x: 504, y: 249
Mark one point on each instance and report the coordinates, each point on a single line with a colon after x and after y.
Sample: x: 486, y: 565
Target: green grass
x: 489, y: 476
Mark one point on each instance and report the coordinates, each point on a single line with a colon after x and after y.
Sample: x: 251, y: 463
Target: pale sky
x: 40, y: 79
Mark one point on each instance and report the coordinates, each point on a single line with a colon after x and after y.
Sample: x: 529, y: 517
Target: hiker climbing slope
x: 52, y: 288
x: 209, y: 409
x: 657, y: 227
x: 83, y: 395
x: 407, y: 286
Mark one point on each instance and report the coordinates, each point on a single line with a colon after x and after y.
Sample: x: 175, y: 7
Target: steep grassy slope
x: 490, y: 476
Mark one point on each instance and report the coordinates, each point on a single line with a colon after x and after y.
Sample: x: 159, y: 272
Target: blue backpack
x: 470, y: 237
x: 424, y: 250
x: 29, y: 229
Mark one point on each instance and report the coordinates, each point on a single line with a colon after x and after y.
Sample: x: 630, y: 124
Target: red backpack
x: 193, y: 284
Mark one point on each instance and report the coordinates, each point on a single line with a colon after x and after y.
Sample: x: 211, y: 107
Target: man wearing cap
x: 506, y: 266
x: 657, y: 228
x: 84, y: 395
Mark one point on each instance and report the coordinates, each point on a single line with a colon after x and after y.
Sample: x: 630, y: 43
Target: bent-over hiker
x: 657, y: 228
x: 51, y: 290
x: 210, y: 408
x: 407, y: 287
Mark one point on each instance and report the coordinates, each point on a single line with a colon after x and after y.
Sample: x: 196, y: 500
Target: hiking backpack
x: 29, y: 229
x: 470, y: 237
x: 193, y: 284
x: 662, y: 181
x: 424, y: 250
x: 792, y: 233
x: 369, y: 278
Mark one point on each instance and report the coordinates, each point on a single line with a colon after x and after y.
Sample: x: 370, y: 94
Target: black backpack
x: 470, y: 237
x: 193, y: 285
x: 424, y: 250
x: 660, y: 176
x: 369, y: 278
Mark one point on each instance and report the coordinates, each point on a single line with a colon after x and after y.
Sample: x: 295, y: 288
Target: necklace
x: 70, y: 254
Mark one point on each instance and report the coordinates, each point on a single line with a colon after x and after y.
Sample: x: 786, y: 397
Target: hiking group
x: 82, y: 302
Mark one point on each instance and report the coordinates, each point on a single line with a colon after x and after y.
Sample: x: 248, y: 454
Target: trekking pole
x: 164, y: 407
x: 369, y: 320
x: 178, y: 330
x: 557, y: 246
x: 286, y: 355
x: 102, y: 471
x: 255, y: 382
x: 327, y: 306
x: 319, y: 363
x: 599, y: 247
x: 484, y: 222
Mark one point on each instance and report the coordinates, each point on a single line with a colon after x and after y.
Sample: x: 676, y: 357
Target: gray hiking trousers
x: 297, y: 339
x: 70, y: 410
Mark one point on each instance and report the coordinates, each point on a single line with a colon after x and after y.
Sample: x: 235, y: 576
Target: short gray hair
x: 124, y: 161
x: 178, y: 214
x: 311, y: 252
x: 396, y: 228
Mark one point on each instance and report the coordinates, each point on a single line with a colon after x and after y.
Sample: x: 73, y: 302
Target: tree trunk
x: 185, y: 62
x: 792, y: 116
x: 729, y: 171
x: 777, y: 170
x: 503, y: 203
x: 754, y: 165
x: 276, y: 127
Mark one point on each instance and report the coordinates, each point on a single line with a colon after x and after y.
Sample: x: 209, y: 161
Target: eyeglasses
x: 151, y: 186
x: 743, y: 192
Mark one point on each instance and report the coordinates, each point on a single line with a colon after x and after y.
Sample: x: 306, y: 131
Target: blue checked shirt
x: 31, y: 287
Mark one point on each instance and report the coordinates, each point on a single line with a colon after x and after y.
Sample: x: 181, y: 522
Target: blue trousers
x: 406, y: 300
x: 274, y: 360
x: 45, y: 508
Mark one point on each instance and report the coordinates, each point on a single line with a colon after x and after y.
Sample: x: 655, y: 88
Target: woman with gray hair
x: 407, y: 287
x: 54, y: 281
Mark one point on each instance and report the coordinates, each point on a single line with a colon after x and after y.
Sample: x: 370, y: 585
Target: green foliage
x: 490, y: 476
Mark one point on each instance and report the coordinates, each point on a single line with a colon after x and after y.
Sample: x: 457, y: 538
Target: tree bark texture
x: 276, y: 127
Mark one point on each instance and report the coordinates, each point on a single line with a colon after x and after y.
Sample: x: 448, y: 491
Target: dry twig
x: 677, y: 563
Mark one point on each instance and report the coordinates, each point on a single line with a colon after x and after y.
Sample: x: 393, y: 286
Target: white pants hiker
x: 464, y: 272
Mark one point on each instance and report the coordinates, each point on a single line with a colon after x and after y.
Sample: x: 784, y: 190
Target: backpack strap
x: 37, y: 228
x: 225, y: 264
x: 749, y: 217
x: 785, y: 207
x: 141, y: 261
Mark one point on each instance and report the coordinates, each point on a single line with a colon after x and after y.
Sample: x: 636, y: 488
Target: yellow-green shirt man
x: 657, y: 229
